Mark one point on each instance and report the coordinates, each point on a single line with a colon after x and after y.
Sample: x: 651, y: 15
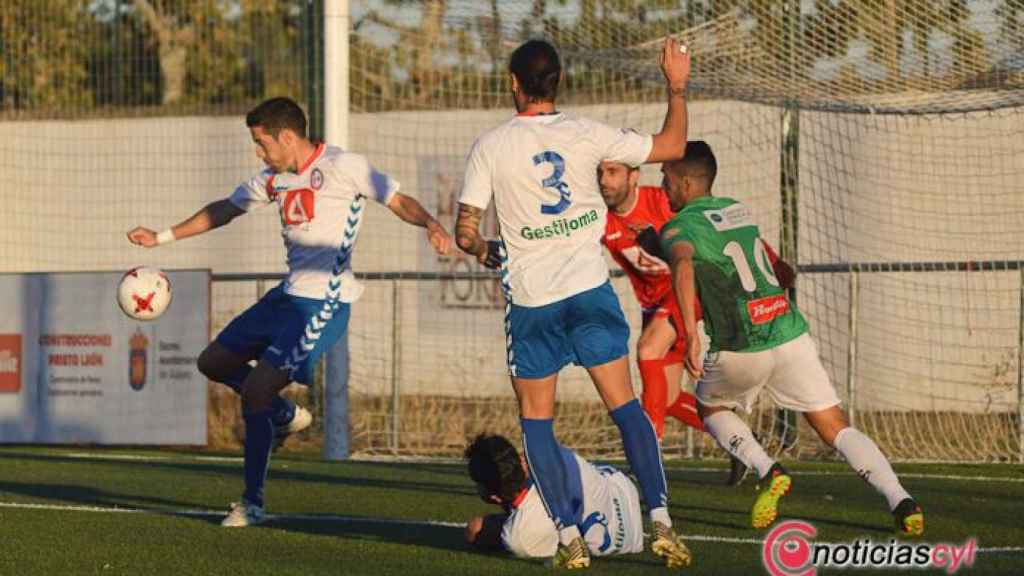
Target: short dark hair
x: 494, y: 462
x: 538, y: 70
x: 277, y: 114
x: 700, y: 157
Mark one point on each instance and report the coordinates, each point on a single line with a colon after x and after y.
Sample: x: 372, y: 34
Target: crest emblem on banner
x: 137, y: 360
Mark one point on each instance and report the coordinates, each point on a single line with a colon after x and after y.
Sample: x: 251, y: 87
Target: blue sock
x: 283, y: 410
x: 547, y: 469
x: 642, y: 451
x: 259, y: 434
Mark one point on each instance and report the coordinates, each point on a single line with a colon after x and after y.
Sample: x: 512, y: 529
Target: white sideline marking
x: 148, y: 458
x: 221, y: 513
x: 367, y: 520
x: 923, y: 475
x: 424, y: 460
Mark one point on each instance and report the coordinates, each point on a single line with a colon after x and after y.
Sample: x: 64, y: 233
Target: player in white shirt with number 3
x: 539, y: 168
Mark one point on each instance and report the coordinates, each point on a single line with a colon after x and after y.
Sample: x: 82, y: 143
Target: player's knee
x: 208, y: 365
x: 829, y: 433
x: 828, y: 423
x: 473, y: 528
x: 645, y: 351
x: 257, y: 396
x: 649, y: 349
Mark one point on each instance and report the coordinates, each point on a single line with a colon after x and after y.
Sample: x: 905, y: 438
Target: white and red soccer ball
x: 144, y: 293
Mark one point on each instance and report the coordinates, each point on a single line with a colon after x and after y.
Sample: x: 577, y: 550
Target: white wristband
x: 165, y: 237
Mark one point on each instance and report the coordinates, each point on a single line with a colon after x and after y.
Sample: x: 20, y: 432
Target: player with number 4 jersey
x: 320, y: 192
x: 759, y: 339
x: 538, y: 168
x: 635, y: 216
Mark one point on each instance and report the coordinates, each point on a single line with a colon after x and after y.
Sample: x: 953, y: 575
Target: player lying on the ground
x: 320, y: 192
x: 604, y: 503
x: 636, y: 215
x: 759, y: 339
x: 539, y: 169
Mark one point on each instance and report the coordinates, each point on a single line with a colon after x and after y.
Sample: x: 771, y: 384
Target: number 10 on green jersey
x: 745, y: 309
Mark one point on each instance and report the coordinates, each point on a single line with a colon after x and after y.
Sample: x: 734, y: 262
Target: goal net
x: 879, y: 144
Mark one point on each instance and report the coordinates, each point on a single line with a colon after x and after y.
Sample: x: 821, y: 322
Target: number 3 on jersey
x: 554, y: 181
x: 734, y: 250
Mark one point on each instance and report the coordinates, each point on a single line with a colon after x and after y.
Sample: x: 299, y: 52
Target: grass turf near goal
x: 90, y: 511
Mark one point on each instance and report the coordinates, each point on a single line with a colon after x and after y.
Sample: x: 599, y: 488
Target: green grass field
x: 59, y: 515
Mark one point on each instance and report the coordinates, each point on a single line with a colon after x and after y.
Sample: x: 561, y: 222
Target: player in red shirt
x: 635, y: 217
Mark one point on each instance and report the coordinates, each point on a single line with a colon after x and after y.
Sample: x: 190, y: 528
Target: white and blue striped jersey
x: 314, y: 204
x: 542, y: 173
x: 606, y: 504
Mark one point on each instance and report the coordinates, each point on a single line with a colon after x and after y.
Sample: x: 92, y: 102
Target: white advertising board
x: 75, y: 369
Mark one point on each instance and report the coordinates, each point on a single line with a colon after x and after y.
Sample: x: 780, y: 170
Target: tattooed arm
x: 467, y: 236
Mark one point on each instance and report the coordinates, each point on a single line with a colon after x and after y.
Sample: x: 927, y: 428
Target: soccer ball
x: 144, y: 293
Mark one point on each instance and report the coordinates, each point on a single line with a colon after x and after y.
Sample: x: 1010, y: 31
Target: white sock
x: 568, y: 534
x: 863, y: 455
x: 660, y: 514
x: 735, y: 437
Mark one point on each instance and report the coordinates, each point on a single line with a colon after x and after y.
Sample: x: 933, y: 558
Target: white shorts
x: 792, y: 373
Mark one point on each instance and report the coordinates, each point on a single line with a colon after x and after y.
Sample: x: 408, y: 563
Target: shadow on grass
x: 86, y: 496
x: 447, y: 538
x: 383, y: 476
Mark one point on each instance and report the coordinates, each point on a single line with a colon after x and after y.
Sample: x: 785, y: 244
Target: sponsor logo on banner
x: 766, y: 309
x: 10, y: 363
x: 138, y: 344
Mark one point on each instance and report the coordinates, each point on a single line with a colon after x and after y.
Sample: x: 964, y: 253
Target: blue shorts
x: 587, y: 329
x: 271, y: 328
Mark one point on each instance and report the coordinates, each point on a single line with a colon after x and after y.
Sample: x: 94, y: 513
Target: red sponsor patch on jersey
x: 298, y: 207
x: 764, y: 310
x: 648, y: 274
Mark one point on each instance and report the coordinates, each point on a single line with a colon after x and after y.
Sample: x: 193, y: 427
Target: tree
x: 417, y: 46
x: 174, y: 31
x: 207, y: 49
x: 44, y: 55
x: 883, y: 24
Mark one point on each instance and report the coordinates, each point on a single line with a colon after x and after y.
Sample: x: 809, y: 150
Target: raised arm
x: 410, y: 210
x: 685, y: 287
x: 467, y: 236
x: 213, y: 215
x: 670, y: 143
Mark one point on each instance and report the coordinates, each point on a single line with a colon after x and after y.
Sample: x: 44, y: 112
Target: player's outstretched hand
x: 492, y: 257
x: 693, y: 361
x: 142, y: 237
x: 675, y: 64
x: 439, y: 238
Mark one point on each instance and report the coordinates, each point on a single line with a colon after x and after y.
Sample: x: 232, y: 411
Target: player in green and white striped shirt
x: 758, y: 338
